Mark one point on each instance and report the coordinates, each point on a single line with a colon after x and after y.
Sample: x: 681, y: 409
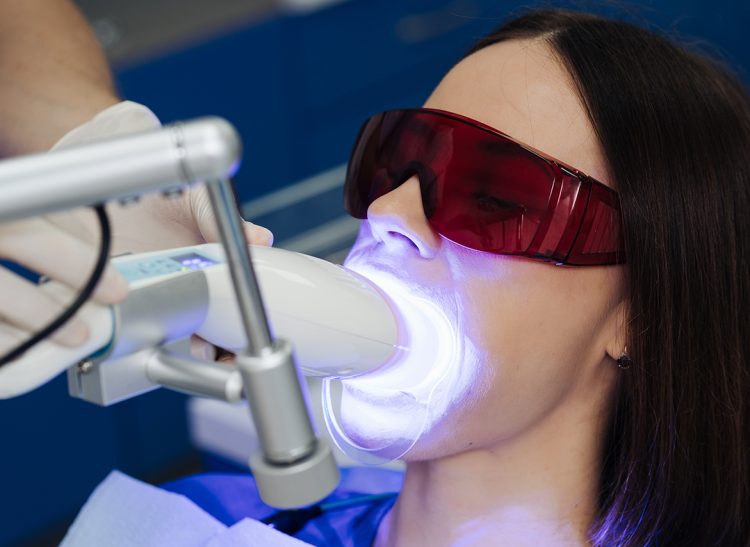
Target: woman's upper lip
x: 371, y: 258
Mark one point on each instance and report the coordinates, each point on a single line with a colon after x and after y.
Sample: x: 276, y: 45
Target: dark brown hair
x: 675, y: 131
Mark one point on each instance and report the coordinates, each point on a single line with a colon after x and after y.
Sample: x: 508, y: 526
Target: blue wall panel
x: 238, y: 76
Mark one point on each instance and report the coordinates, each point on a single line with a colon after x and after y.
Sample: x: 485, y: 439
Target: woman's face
x: 514, y: 340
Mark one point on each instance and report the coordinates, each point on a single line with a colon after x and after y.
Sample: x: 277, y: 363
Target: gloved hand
x: 155, y: 222
x: 25, y: 307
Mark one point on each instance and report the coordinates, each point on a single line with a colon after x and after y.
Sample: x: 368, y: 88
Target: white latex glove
x: 66, y: 255
x: 155, y: 222
x: 25, y: 307
x: 64, y: 246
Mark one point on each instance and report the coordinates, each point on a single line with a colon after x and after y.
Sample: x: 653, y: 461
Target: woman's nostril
x: 403, y: 237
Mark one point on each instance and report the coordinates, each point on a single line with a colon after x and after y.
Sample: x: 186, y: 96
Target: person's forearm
x: 53, y: 74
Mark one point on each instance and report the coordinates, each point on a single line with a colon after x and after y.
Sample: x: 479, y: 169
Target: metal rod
x: 232, y: 235
x: 124, y: 166
x: 195, y: 377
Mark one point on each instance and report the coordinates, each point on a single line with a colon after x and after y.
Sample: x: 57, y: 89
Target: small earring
x: 624, y: 361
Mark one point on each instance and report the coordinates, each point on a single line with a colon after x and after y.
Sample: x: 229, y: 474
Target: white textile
x: 125, y: 512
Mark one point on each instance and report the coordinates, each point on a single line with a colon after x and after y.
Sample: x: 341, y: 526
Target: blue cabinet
x: 57, y: 449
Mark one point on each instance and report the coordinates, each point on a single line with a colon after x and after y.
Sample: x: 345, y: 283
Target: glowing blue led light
x: 193, y: 261
x: 382, y: 414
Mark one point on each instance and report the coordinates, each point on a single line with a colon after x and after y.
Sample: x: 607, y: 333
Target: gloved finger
x: 80, y: 222
x: 11, y: 337
x: 224, y: 356
x: 59, y: 255
x: 200, y: 349
x: 257, y: 235
x: 28, y: 307
x: 254, y: 234
x: 200, y: 207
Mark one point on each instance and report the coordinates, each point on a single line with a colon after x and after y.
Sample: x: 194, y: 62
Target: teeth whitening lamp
x: 253, y: 301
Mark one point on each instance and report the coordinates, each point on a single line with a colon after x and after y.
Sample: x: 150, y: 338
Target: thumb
x: 206, y: 223
x: 257, y: 235
x: 254, y: 234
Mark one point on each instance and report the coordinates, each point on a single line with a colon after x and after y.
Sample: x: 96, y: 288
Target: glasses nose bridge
x: 425, y: 179
x: 402, y: 198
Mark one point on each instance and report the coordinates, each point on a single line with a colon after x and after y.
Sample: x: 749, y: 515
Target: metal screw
x: 84, y: 367
x: 171, y: 193
x: 128, y: 201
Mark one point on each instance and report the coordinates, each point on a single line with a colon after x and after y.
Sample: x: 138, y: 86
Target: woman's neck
x: 539, y: 488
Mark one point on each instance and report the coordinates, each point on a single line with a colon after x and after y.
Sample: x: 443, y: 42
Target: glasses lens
x: 391, y: 148
x: 494, y: 193
x: 363, y: 175
x: 479, y: 189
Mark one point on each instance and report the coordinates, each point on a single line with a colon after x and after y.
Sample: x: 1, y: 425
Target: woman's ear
x: 616, y: 331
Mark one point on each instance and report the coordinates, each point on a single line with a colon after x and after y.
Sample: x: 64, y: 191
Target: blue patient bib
x: 231, y: 497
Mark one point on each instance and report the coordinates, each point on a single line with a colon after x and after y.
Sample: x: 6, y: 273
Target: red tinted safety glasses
x: 485, y: 191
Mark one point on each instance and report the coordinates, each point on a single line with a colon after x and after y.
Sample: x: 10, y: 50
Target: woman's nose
x: 399, y: 215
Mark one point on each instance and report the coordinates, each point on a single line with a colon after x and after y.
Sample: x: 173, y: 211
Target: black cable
x: 291, y: 521
x: 83, y: 296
